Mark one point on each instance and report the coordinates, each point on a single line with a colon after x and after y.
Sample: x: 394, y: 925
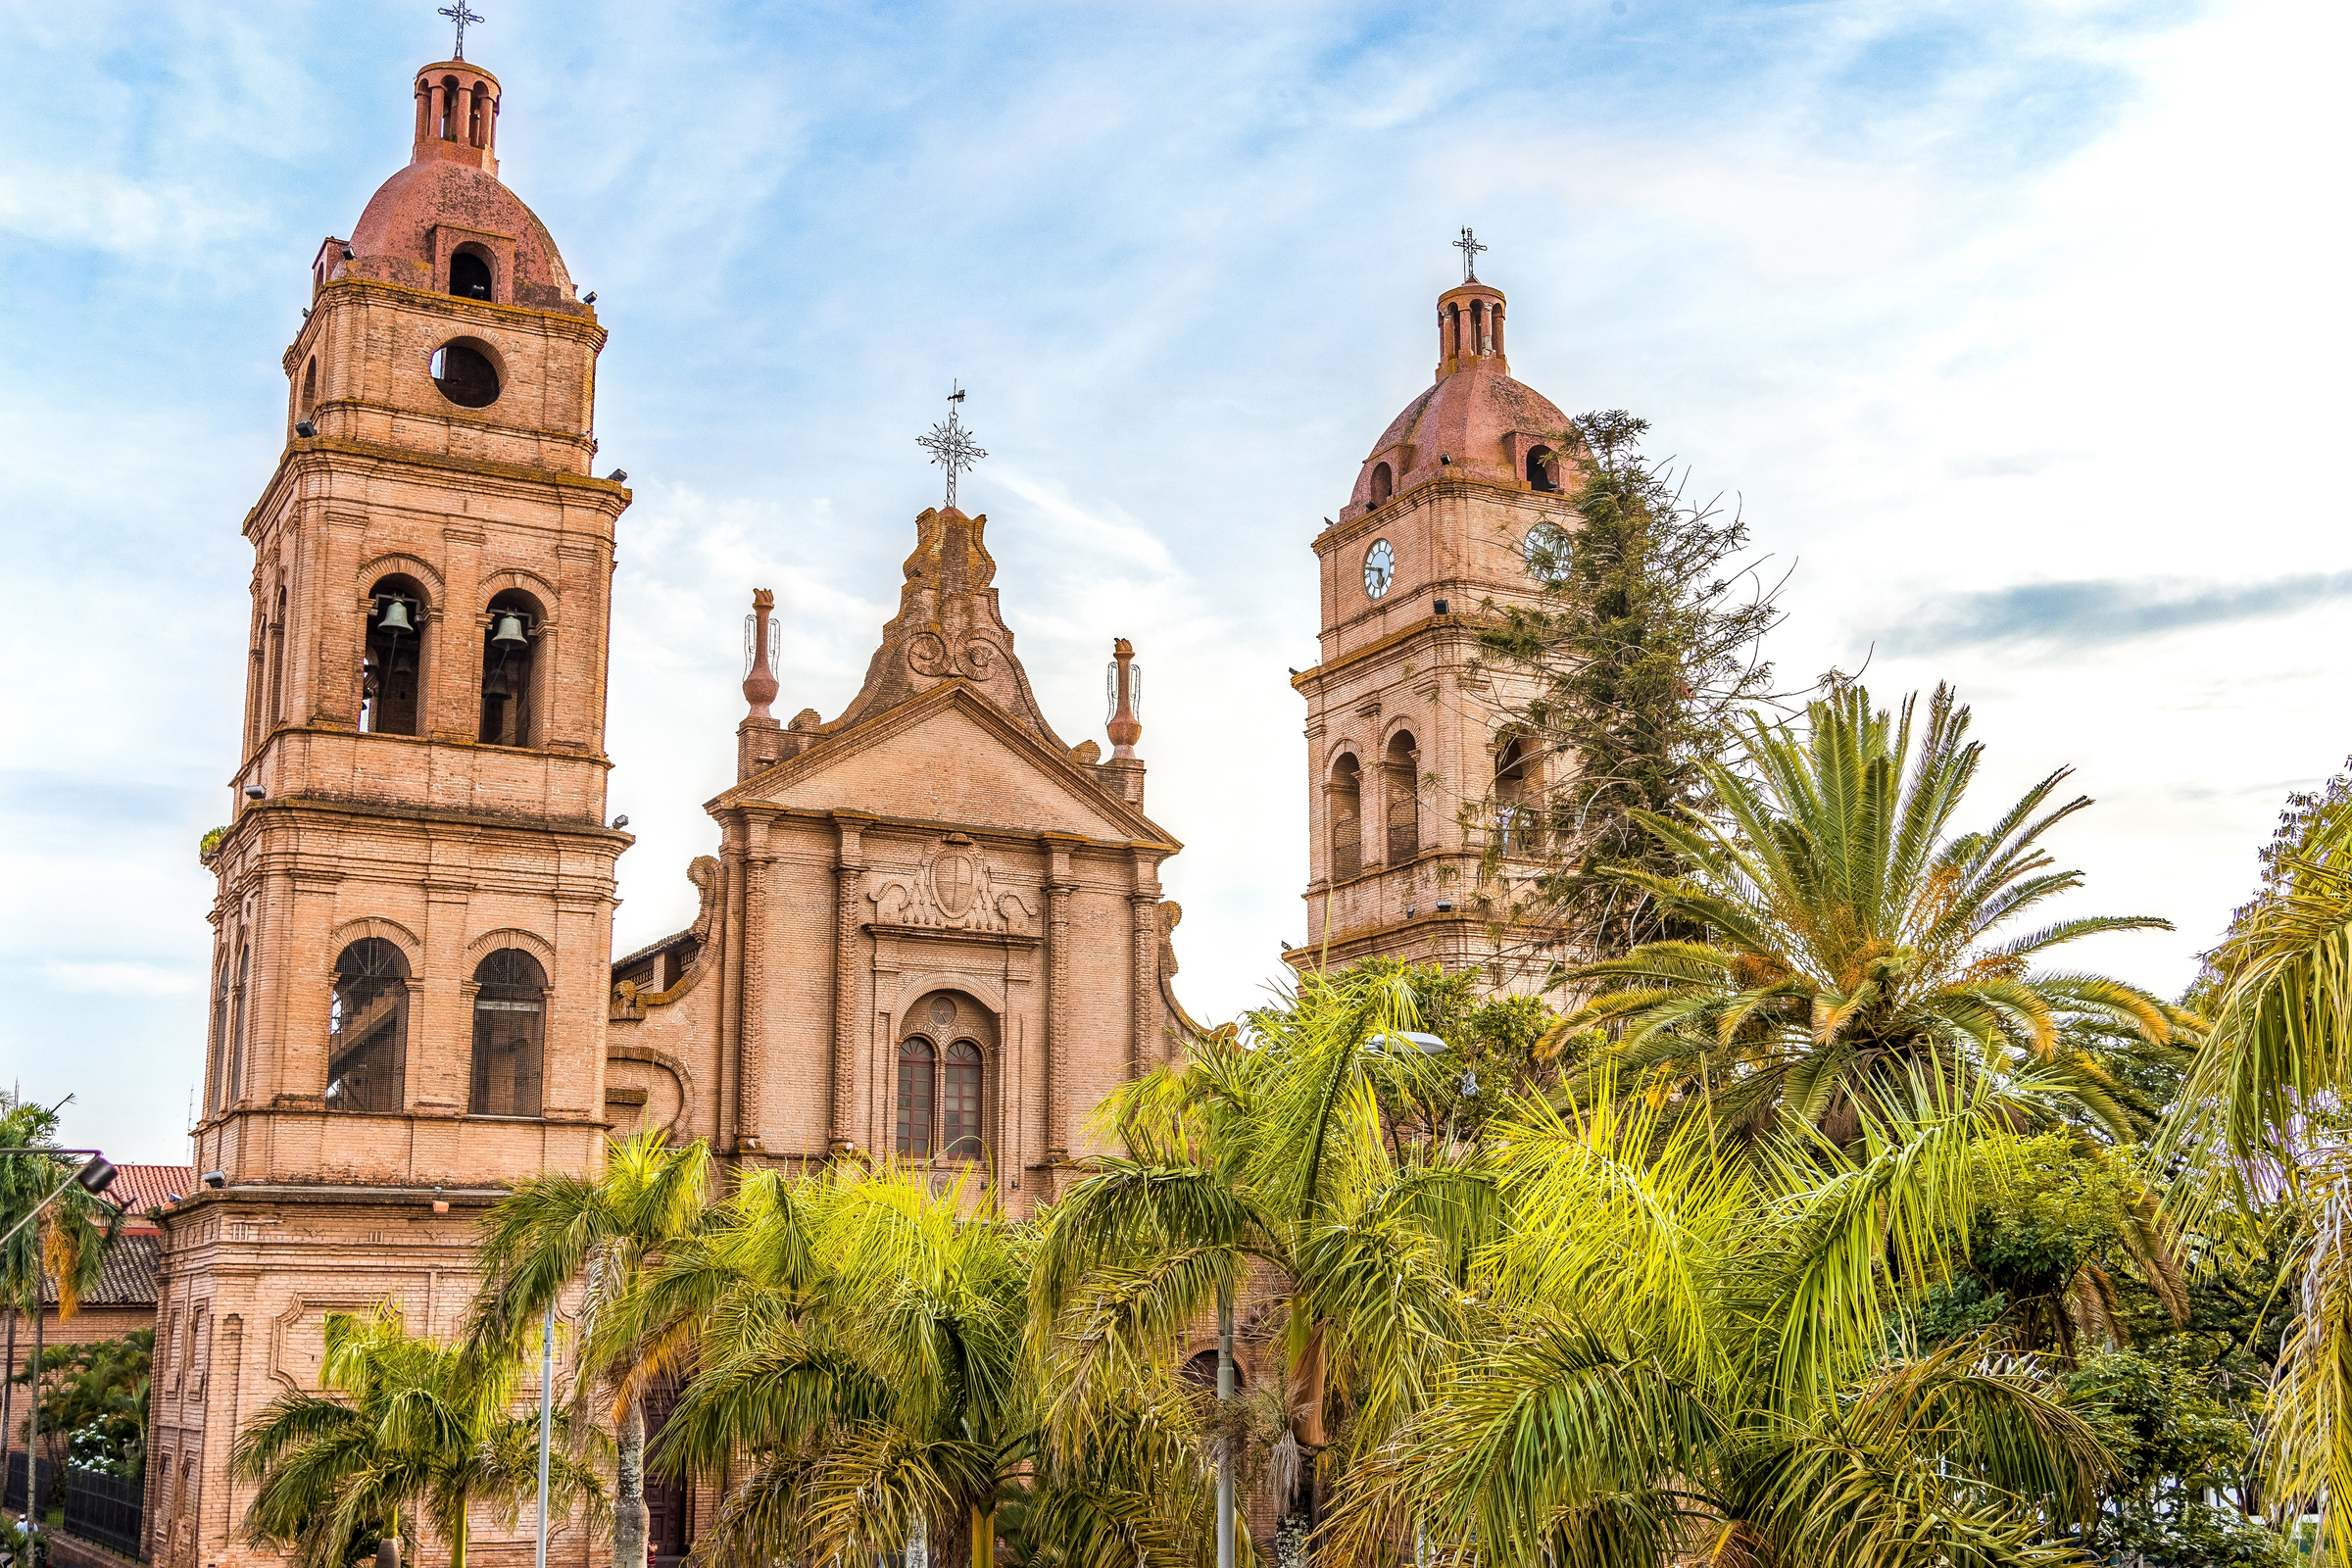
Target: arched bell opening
x: 1383, y: 484
x: 510, y: 659
x: 1346, y: 807
x: 477, y: 116
x: 1515, y: 806
x: 447, y: 129
x: 1543, y: 470
x: 1403, y: 764
x: 469, y: 275
x: 510, y: 1034
x: 393, y: 670
x: 368, y: 1028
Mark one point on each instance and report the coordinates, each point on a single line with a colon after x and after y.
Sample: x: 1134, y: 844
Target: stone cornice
x: 1319, y: 673
x: 353, y: 291
x: 305, y: 452
x: 1513, y: 493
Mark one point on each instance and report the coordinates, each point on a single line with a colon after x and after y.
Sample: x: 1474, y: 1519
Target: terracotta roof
x: 646, y: 952
x: 136, y: 1188
x: 129, y: 1279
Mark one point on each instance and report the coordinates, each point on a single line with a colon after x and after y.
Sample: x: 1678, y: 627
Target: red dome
x: 1476, y: 422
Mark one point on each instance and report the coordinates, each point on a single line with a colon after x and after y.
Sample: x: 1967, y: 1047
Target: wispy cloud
x: 2102, y: 611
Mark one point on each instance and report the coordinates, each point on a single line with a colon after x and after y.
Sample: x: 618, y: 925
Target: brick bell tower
x: 415, y: 889
x: 1413, y: 765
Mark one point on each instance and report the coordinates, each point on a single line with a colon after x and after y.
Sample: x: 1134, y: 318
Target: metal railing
x: 104, y: 1508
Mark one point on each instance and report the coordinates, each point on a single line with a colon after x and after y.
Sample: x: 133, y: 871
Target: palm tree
x: 2261, y: 1115
x: 860, y: 1337
x: 1680, y: 1350
x: 555, y: 1230
x: 409, y: 1432
x: 1852, y: 934
x: 1281, y: 1161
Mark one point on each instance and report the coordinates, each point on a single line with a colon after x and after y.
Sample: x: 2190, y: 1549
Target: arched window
x: 960, y: 1103
x: 507, y: 664
x: 277, y: 663
x: 1383, y: 484
x: 510, y: 1034
x: 368, y: 1028
x: 477, y: 120
x: 395, y: 661
x: 469, y: 276
x: 1539, y: 466
x: 917, y: 1062
x: 1347, y: 818
x: 310, y: 387
x: 1200, y: 1371
x: 1514, y: 811
x: 449, y: 109
x: 1402, y: 765
x: 215, y: 1095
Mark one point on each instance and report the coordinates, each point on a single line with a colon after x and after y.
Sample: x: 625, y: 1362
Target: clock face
x: 1380, y: 567
x: 1547, y: 550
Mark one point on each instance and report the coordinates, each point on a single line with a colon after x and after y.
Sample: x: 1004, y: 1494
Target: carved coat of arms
x: 954, y: 889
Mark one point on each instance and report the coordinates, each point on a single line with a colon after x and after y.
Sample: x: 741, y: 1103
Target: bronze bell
x: 508, y: 635
x: 396, y: 617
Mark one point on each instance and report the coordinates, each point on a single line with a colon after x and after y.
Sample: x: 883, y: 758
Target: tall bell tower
x: 1413, y: 765
x: 413, y: 923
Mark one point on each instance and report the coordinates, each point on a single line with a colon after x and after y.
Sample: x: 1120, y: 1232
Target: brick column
x: 1057, y: 1085
x: 1143, y: 968
x: 731, y: 1005
x: 751, y: 1075
x: 848, y: 885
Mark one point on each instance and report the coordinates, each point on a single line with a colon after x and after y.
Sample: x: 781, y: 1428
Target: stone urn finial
x: 759, y: 684
x: 1125, y: 680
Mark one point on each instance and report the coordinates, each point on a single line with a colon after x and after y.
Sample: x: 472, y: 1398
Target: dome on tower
x: 1476, y: 422
x: 446, y: 221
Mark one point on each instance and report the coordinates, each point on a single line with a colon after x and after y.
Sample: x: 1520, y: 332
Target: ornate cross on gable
x: 460, y: 16
x: 951, y: 444
x: 1469, y: 246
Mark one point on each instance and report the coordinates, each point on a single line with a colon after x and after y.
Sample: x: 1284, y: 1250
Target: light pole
x: 93, y: 1176
x: 1224, y: 1425
x: 547, y: 1375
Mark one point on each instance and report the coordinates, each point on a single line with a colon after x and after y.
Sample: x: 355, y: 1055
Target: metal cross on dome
x: 950, y: 444
x: 460, y: 16
x: 1469, y: 246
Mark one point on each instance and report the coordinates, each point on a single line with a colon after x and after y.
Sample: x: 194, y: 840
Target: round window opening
x: 1380, y: 567
x: 943, y: 1011
x: 465, y: 376
x: 1547, y: 550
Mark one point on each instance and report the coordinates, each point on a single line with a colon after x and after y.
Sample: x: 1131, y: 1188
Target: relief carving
x: 954, y: 889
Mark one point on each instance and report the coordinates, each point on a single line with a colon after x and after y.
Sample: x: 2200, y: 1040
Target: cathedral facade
x: 932, y: 932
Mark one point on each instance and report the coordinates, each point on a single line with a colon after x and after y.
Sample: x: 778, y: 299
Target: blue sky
x: 2016, y: 329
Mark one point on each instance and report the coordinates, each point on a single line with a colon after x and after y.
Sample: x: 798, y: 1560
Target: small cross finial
x: 950, y: 444
x: 460, y: 16
x: 1469, y: 246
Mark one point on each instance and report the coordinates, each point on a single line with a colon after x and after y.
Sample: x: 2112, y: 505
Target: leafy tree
x: 1848, y: 936
x: 410, y: 1433
x: 554, y: 1231
x: 94, y: 1400
x: 1641, y: 651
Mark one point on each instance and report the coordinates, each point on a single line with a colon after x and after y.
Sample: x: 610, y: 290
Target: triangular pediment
x: 948, y: 755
